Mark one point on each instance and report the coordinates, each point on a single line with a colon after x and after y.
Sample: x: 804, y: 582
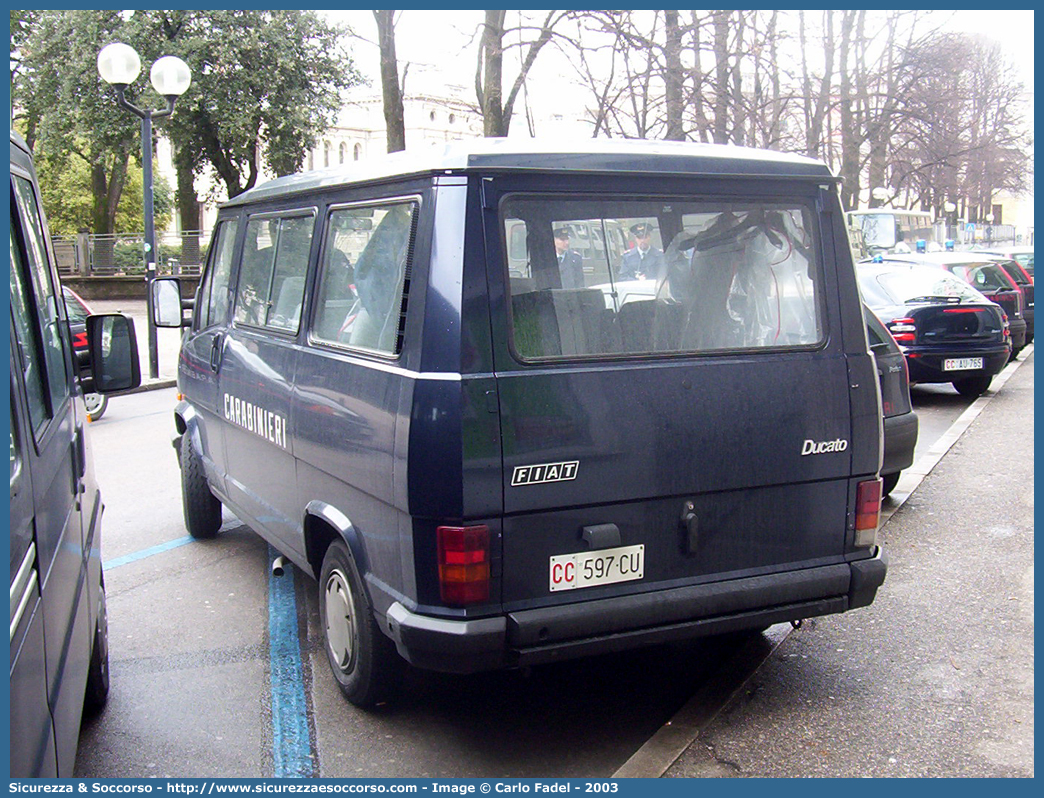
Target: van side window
x: 40, y: 327
x: 365, y: 277
x: 659, y: 277
x: 212, y: 307
x: 27, y: 348
x: 16, y: 450
x: 272, y: 272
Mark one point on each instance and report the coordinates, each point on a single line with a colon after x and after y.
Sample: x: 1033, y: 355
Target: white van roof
x: 593, y: 155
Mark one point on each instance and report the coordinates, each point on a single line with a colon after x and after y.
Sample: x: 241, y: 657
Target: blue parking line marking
x: 141, y: 555
x: 292, y: 753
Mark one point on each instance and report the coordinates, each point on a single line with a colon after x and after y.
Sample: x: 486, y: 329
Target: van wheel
x: 363, y: 660
x: 96, y: 404
x: 888, y: 483
x: 202, y: 508
x: 98, y: 673
x: 973, y: 387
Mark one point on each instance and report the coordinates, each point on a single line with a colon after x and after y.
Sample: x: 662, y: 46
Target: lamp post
x: 950, y: 209
x: 119, y: 65
x: 880, y: 193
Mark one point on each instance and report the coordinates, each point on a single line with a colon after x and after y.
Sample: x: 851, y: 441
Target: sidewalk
x: 935, y: 679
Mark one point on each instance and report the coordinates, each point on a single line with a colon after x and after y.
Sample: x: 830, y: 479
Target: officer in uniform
x: 643, y: 261
x: 570, y: 264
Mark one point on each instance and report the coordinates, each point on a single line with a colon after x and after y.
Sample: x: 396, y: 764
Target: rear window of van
x: 592, y: 278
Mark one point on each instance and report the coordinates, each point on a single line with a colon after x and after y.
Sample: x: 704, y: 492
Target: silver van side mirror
x: 114, y: 354
x: 166, y: 302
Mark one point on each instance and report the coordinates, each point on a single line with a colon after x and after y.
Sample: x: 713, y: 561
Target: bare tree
x: 390, y: 86
x: 489, y: 74
x: 673, y: 77
x: 850, y: 137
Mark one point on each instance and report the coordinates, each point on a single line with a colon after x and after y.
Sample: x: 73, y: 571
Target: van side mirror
x: 166, y: 302
x: 114, y: 354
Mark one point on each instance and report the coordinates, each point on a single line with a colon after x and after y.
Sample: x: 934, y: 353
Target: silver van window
x: 212, y: 305
x: 604, y: 278
x: 361, y: 298
x: 272, y: 271
x: 48, y: 357
x: 27, y: 349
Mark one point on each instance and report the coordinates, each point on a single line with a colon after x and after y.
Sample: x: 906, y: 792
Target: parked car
x: 1024, y: 281
x: 59, y: 628
x: 900, y: 420
x: 987, y: 277
x: 948, y: 331
x: 1023, y: 255
x: 484, y: 469
x: 78, y: 311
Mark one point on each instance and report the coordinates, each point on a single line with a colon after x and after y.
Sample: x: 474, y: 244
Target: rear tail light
x: 1007, y: 325
x: 903, y: 330
x: 868, y: 512
x: 80, y: 340
x: 463, y: 564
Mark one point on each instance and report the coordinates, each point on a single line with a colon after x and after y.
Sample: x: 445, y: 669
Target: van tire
x: 95, y: 404
x: 97, y: 692
x: 202, y: 508
x: 363, y: 660
x: 888, y: 483
x: 973, y: 387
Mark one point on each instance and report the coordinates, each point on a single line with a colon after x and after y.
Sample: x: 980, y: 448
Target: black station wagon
x: 492, y: 450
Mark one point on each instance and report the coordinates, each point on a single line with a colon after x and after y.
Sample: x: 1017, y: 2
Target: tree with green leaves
x: 265, y: 85
x: 61, y: 106
x: 65, y: 188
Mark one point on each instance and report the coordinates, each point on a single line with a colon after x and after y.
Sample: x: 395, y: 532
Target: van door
x: 202, y: 346
x: 256, y: 372
x: 32, y: 748
x: 696, y: 427
x: 52, y: 453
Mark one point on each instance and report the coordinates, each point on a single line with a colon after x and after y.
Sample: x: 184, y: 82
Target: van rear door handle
x: 215, y: 353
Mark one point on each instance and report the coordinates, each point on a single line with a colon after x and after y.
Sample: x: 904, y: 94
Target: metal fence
x: 86, y: 254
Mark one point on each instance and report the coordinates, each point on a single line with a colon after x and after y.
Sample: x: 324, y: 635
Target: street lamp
x: 880, y: 193
x: 950, y: 209
x: 120, y: 65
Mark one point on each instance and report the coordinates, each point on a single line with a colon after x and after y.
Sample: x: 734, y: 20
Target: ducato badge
x: 823, y: 447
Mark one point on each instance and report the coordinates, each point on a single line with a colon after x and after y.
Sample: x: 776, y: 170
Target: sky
x: 441, y: 47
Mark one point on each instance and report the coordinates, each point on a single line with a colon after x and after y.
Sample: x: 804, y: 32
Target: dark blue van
x: 447, y: 387
x: 59, y: 625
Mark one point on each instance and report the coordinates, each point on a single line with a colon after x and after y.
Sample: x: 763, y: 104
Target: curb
x: 673, y: 739
x: 148, y: 386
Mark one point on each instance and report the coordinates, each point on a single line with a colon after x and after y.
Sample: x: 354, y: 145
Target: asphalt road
x: 192, y: 657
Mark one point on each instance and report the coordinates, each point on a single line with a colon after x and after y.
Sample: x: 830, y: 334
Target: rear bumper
x: 1018, y: 333
x: 548, y: 634
x: 900, y: 438
x: 928, y: 367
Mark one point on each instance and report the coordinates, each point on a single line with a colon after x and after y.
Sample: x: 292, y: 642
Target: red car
x: 78, y: 312
x: 1017, y: 272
